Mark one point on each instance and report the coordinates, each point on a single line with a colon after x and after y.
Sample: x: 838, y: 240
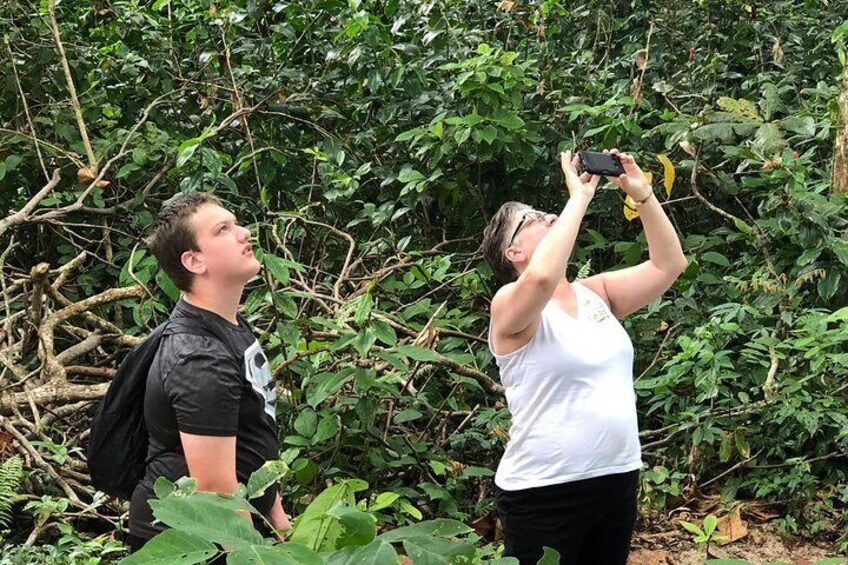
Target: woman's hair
x: 495, y: 241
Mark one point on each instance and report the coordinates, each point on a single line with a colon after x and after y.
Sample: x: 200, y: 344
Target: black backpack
x: 118, y: 442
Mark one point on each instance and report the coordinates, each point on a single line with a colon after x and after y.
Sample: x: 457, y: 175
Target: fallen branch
x: 485, y: 381
x: 51, y: 393
x: 53, y: 369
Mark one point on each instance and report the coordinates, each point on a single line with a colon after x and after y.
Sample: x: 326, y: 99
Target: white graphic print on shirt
x: 258, y: 373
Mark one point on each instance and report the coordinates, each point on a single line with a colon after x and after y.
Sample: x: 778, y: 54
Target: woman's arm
x: 517, y: 306
x: 628, y: 290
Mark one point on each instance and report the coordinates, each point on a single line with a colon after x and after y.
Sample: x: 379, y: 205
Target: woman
x: 569, y: 475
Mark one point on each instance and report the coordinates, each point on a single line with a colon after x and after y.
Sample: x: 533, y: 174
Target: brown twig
x: 739, y: 465
x: 666, y: 337
x: 30, y: 122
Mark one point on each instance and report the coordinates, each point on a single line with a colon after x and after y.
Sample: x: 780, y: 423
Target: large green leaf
x: 165, y: 283
x: 840, y: 315
x: 306, y: 423
x: 417, y: 353
x: 235, y: 502
x: 768, y: 138
x: 327, y: 429
x: 508, y: 119
x: 442, y: 527
x: 802, y: 125
x: 438, y: 551
x: 206, y: 519
x: 716, y: 258
x: 316, y: 528
x: 323, y: 385
x: 375, y: 553
x: 359, y: 527
x: 278, y: 267
x: 384, y: 500
x: 281, y: 554
x: 186, y: 151
x: 384, y: 332
x: 408, y: 175
x: 173, y: 547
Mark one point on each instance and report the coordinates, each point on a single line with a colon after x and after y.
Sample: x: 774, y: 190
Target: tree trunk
x: 840, y: 154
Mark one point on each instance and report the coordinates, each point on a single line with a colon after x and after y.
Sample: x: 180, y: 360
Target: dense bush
x: 366, y: 144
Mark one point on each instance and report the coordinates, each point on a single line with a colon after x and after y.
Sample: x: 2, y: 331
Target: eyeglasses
x: 533, y: 216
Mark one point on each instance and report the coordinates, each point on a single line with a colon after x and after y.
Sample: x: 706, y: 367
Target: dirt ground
x: 759, y: 546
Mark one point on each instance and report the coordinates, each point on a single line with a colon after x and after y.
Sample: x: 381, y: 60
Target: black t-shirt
x: 196, y: 386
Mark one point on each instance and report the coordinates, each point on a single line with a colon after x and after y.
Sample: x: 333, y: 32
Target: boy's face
x: 225, y: 253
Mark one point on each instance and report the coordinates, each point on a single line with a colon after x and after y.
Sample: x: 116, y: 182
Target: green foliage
x: 707, y: 533
x: 11, y: 475
x: 69, y: 548
x: 332, y: 530
x: 373, y: 141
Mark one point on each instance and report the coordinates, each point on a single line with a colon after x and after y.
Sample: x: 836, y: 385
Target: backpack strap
x: 196, y: 326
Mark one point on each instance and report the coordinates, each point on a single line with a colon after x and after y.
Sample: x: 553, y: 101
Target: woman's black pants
x: 588, y: 521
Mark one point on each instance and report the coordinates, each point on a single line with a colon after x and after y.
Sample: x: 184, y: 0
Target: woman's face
x: 529, y: 228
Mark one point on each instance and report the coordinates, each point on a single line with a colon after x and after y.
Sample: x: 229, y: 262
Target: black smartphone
x: 605, y: 164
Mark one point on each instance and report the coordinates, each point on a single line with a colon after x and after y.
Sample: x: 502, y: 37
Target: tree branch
x: 54, y: 28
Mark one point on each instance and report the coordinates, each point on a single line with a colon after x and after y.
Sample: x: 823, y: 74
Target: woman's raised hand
x: 578, y: 184
x: 633, y: 181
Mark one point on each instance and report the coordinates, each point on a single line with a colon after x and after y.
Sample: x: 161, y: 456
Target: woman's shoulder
x: 505, y: 289
x: 502, y: 295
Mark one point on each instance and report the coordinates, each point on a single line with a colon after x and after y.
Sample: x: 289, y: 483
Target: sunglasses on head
x: 532, y: 215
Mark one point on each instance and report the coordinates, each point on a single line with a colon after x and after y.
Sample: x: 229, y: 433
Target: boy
x: 209, y: 415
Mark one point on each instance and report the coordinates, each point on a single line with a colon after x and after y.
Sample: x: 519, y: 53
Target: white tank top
x: 570, y: 392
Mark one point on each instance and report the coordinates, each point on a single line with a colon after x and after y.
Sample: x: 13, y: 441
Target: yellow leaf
x: 668, y: 173
x: 630, y: 212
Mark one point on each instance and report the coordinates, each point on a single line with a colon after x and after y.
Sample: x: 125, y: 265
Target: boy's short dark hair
x: 173, y: 235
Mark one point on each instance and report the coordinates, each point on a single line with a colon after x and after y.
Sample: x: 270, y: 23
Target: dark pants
x: 588, y: 522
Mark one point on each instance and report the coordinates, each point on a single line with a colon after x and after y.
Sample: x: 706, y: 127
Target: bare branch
x: 53, y: 369
x: 54, y: 28
x: 30, y: 122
